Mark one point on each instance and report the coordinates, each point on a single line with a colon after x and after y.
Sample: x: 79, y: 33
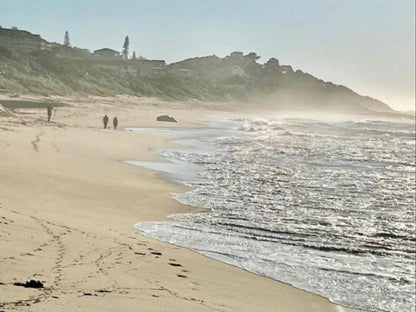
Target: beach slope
x: 67, y: 209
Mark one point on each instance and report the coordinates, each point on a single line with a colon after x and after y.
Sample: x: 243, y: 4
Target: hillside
x: 236, y: 77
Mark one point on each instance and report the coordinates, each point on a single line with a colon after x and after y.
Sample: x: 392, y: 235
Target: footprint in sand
x: 181, y: 276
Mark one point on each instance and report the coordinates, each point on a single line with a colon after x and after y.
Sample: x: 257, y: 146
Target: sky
x: 366, y: 45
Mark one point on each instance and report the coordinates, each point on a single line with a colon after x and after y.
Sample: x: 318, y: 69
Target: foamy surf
x: 326, y: 207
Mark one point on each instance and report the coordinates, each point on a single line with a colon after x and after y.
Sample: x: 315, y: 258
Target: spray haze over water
x: 325, y: 206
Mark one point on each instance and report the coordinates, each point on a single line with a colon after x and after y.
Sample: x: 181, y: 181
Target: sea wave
x: 325, y: 206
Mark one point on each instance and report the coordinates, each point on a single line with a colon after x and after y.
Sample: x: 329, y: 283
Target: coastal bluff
x: 54, y: 69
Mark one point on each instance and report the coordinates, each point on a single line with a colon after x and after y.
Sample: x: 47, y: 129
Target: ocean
x: 326, y: 206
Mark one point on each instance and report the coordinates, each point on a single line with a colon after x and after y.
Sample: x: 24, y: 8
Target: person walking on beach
x: 115, y: 122
x: 49, y: 110
x: 105, y: 121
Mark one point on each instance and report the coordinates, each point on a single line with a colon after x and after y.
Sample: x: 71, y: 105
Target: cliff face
x: 237, y: 77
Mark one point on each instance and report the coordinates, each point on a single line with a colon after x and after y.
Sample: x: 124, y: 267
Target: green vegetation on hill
x: 237, y: 77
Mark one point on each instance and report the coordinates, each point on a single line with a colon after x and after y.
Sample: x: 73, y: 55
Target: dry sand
x: 67, y: 208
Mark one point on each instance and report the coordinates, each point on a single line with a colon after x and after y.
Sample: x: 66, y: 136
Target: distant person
x: 49, y: 109
x: 105, y: 121
x: 115, y: 123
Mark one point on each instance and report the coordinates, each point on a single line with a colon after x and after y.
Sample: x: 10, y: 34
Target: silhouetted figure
x: 49, y: 109
x: 115, y: 123
x: 105, y: 121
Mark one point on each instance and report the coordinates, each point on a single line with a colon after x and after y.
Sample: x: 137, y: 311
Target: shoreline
x: 66, y: 202
x: 166, y: 175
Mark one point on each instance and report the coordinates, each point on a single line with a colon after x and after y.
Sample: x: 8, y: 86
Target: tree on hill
x: 66, y: 39
x: 126, y: 48
x: 134, y: 56
x: 252, y: 56
x: 272, y: 63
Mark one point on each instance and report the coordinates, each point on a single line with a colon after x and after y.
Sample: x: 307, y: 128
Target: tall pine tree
x: 126, y: 48
x: 66, y: 39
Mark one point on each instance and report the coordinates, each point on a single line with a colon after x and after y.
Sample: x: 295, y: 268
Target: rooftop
x: 106, y: 50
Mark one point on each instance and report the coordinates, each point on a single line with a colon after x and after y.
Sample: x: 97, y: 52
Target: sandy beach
x: 68, y: 204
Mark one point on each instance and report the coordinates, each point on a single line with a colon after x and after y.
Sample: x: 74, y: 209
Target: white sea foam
x: 325, y: 206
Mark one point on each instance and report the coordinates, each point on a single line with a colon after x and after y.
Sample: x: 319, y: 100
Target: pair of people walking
x: 106, y: 119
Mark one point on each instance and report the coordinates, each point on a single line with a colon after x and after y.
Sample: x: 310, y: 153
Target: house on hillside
x: 158, y: 63
x: 236, y: 54
x: 106, y: 53
x: 152, y: 63
x: 22, y: 40
x: 148, y: 67
x: 286, y: 69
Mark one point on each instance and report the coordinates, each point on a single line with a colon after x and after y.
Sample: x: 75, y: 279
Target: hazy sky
x: 367, y: 45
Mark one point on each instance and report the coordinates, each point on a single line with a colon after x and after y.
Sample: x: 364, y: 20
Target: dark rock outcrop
x: 166, y: 118
x: 30, y: 284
